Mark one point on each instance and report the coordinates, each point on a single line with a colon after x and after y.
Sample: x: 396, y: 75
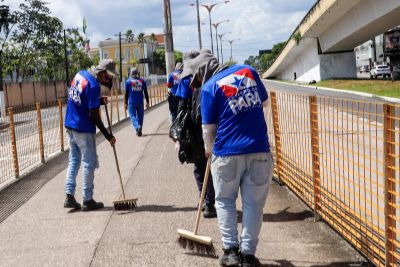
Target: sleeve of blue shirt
x: 184, y: 91
x: 144, y: 85
x: 170, y: 78
x: 261, y: 88
x: 127, y: 85
x: 93, y: 96
x: 209, y: 105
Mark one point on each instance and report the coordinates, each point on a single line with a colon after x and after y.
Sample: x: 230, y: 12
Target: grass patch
x: 376, y: 87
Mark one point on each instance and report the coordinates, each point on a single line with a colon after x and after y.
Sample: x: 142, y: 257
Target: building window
x: 127, y: 54
x: 105, y: 54
x: 136, y: 51
x: 116, y: 53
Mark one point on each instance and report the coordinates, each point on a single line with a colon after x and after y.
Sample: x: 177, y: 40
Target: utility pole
x: 66, y: 61
x: 198, y: 23
x: 169, y: 42
x: 120, y: 58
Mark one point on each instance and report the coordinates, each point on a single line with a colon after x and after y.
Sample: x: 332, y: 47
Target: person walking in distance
x: 82, y: 117
x: 172, y: 84
x: 235, y: 135
x: 135, y: 89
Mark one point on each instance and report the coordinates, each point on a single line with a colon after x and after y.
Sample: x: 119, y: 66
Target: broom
x: 123, y: 204
x: 191, y: 240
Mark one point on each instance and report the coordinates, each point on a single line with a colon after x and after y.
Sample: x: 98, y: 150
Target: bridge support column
x: 338, y: 65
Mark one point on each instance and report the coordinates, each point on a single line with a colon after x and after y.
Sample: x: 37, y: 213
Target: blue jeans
x: 251, y: 173
x: 82, y: 148
x: 136, y: 112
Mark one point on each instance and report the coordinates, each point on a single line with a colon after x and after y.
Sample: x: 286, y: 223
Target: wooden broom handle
x: 203, y: 194
x: 115, y: 155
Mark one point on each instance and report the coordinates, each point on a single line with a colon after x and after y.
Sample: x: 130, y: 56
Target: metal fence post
x: 60, y: 112
x: 13, y: 142
x: 40, y: 128
x: 277, y: 133
x: 389, y: 150
x: 315, y: 155
x: 151, y: 95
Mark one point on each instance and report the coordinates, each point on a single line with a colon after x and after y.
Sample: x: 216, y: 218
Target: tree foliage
x: 159, y: 58
x: 32, y: 43
x: 264, y: 61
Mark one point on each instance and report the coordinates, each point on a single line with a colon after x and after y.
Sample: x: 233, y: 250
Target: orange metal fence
x: 31, y: 134
x: 341, y: 157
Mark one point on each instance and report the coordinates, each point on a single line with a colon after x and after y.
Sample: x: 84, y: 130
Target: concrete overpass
x: 329, y: 33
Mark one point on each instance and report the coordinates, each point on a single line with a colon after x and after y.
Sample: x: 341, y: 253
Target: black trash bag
x: 191, y: 149
x: 179, y: 123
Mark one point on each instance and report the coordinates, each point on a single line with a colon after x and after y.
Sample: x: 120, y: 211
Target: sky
x: 259, y: 24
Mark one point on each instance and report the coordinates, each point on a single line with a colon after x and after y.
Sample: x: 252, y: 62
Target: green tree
x: 159, y: 58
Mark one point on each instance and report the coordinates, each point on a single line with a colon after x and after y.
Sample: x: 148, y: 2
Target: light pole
x: 209, y: 8
x: 216, y: 33
x: 129, y: 38
x: 230, y: 42
x: 220, y: 41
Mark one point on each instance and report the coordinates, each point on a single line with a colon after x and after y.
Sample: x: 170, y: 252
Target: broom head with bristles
x: 197, y: 243
x: 125, y: 204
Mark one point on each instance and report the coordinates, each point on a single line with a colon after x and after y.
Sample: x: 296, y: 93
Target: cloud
x: 258, y: 23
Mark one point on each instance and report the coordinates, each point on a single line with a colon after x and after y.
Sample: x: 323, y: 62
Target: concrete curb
x: 383, y: 98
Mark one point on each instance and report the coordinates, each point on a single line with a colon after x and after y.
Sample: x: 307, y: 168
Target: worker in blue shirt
x: 135, y: 89
x: 172, y: 85
x: 82, y: 117
x: 235, y: 134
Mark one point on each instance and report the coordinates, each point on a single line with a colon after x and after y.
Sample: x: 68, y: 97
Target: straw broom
x: 123, y: 204
x: 192, y: 240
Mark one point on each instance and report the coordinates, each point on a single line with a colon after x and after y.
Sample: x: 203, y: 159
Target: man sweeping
x: 135, y: 88
x: 82, y: 117
x: 235, y: 133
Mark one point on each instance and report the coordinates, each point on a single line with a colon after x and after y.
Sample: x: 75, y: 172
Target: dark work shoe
x: 230, y: 258
x: 92, y: 205
x: 209, y: 211
x: 248, y: 260
x: 139, y: 131
x: 71, y: 203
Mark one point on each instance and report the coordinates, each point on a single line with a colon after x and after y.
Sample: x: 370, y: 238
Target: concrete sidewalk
x: 42, y: 233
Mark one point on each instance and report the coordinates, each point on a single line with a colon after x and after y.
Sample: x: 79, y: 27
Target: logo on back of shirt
x: 136, y: 85
x: 240, y: 88
x: 78, y: 85
x: 176, y: 78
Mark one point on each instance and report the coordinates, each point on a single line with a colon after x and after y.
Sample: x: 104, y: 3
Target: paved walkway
x: 40, y: 232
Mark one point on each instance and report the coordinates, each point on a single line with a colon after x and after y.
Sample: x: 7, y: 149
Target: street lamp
x: 209, y: 8
x: 216, y: 33
x: 230, y: 42
x: 220, y: 40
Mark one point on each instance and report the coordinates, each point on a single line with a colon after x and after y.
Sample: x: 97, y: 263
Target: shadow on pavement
x: 282, y: 216
x: 285, y: 263
x: 154, y: 134
x: 163, y: 208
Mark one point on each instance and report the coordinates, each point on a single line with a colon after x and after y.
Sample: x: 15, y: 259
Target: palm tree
x: 141, y: 41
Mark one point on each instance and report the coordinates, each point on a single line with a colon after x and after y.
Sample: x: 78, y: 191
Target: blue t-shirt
x: 184, y: 91
x: 135, y: 88
x: 233, y: 99
x: 83, y: 95
x: 173, y: 81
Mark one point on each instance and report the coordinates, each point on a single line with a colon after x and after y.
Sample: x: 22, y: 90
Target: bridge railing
x: 342, y: 158
x: 30, y: 135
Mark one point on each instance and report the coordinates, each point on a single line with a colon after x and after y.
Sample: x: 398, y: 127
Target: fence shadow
x: 286, y: 263
x: 282, y: 216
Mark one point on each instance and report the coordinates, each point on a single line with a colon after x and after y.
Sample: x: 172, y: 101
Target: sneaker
x: 230, y: 258
x: 209, y: 211
x: 139, y: 133
x: 248, y: 260
x: 71, y: 203
x: 92, y: 205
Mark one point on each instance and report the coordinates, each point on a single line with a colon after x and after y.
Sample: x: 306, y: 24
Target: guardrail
x: 342, y: 158
x: 30, y: 135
